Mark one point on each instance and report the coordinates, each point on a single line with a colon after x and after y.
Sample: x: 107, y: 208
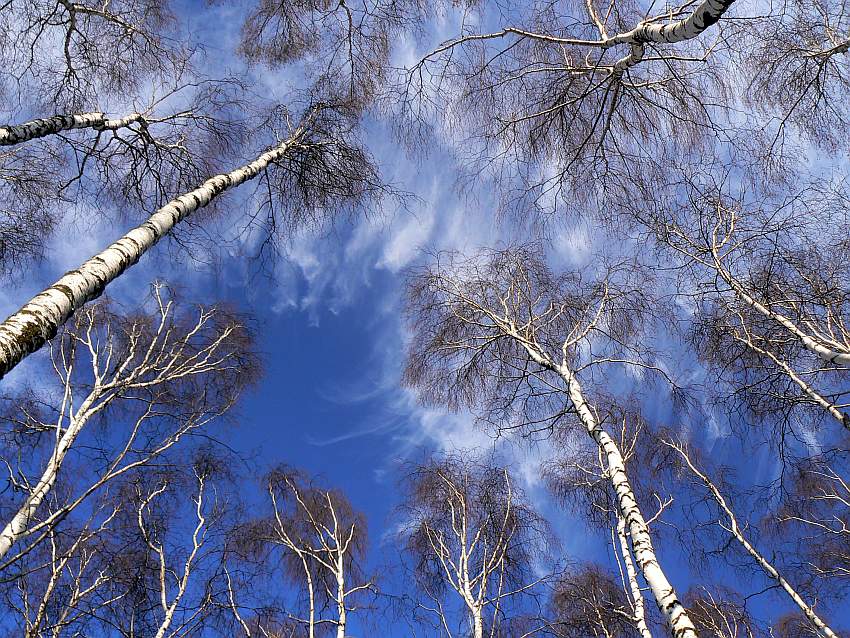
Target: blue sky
x: 333, y: 336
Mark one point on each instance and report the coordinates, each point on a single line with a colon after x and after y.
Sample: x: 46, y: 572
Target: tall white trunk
x: 340, y: 594
x: 477, y: 623
x: 27, y: 329
x: 665, y: 595
x: 311, y: 601
x: 631, y: 576
x: 34, y: 129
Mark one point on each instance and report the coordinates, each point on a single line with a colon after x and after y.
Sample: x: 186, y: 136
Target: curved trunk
x: 705, y: 15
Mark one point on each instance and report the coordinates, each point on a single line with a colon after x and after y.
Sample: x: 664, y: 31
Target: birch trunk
x: 815, y: 346
x: 735, y: 530
x: 631, y: 575
x: 665, y: 595
x: 16, y: 528
x: 808, y: 390
x: 340, y: 595
x: 311, y: 596
x: 477, y: 624
x: 34, y: 129
x: 29, y: 328
x: 705, y: 15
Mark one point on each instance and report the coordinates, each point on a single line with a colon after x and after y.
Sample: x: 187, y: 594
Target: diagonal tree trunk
x: 631, y: 574
x: 826, y: 352
x: 665, y: 595
x: 18, y: 525
x: 29, y: 328
x: 34, y: 129
x: 734, y: 529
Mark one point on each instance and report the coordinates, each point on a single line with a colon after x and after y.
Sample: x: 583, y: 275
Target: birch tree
x: 558, y: 96
x: 738, y: 532
x: 580, y: 481
x: 67, y: 63
x: 584, y: 106
x: 306, y: 156
x: 131, y: 386
x: 501, y: 332
x: 61, y: 584
x: 183, y: 603
x: 318, y: 540
x: 313, y: 166
x: 167, y: 576
x: 62, y: 164
x: 772, y: 295
x: 474, y: 538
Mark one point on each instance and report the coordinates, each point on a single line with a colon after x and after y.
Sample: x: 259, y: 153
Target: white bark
x: 165, y: 571
x: 331, y: 551
x: 30, y: 327
x: 477, y: 624
x: 825, y: 348
x: 815, y: 346
x: 705, y: 15
x: 340, y: 593
x: 665, y: 595
x: 807, y: 389
x: 631, y: 575
x: 18, y: 526
x: 163, y: 356
x: 34, y: 129
x: 735, y: 530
